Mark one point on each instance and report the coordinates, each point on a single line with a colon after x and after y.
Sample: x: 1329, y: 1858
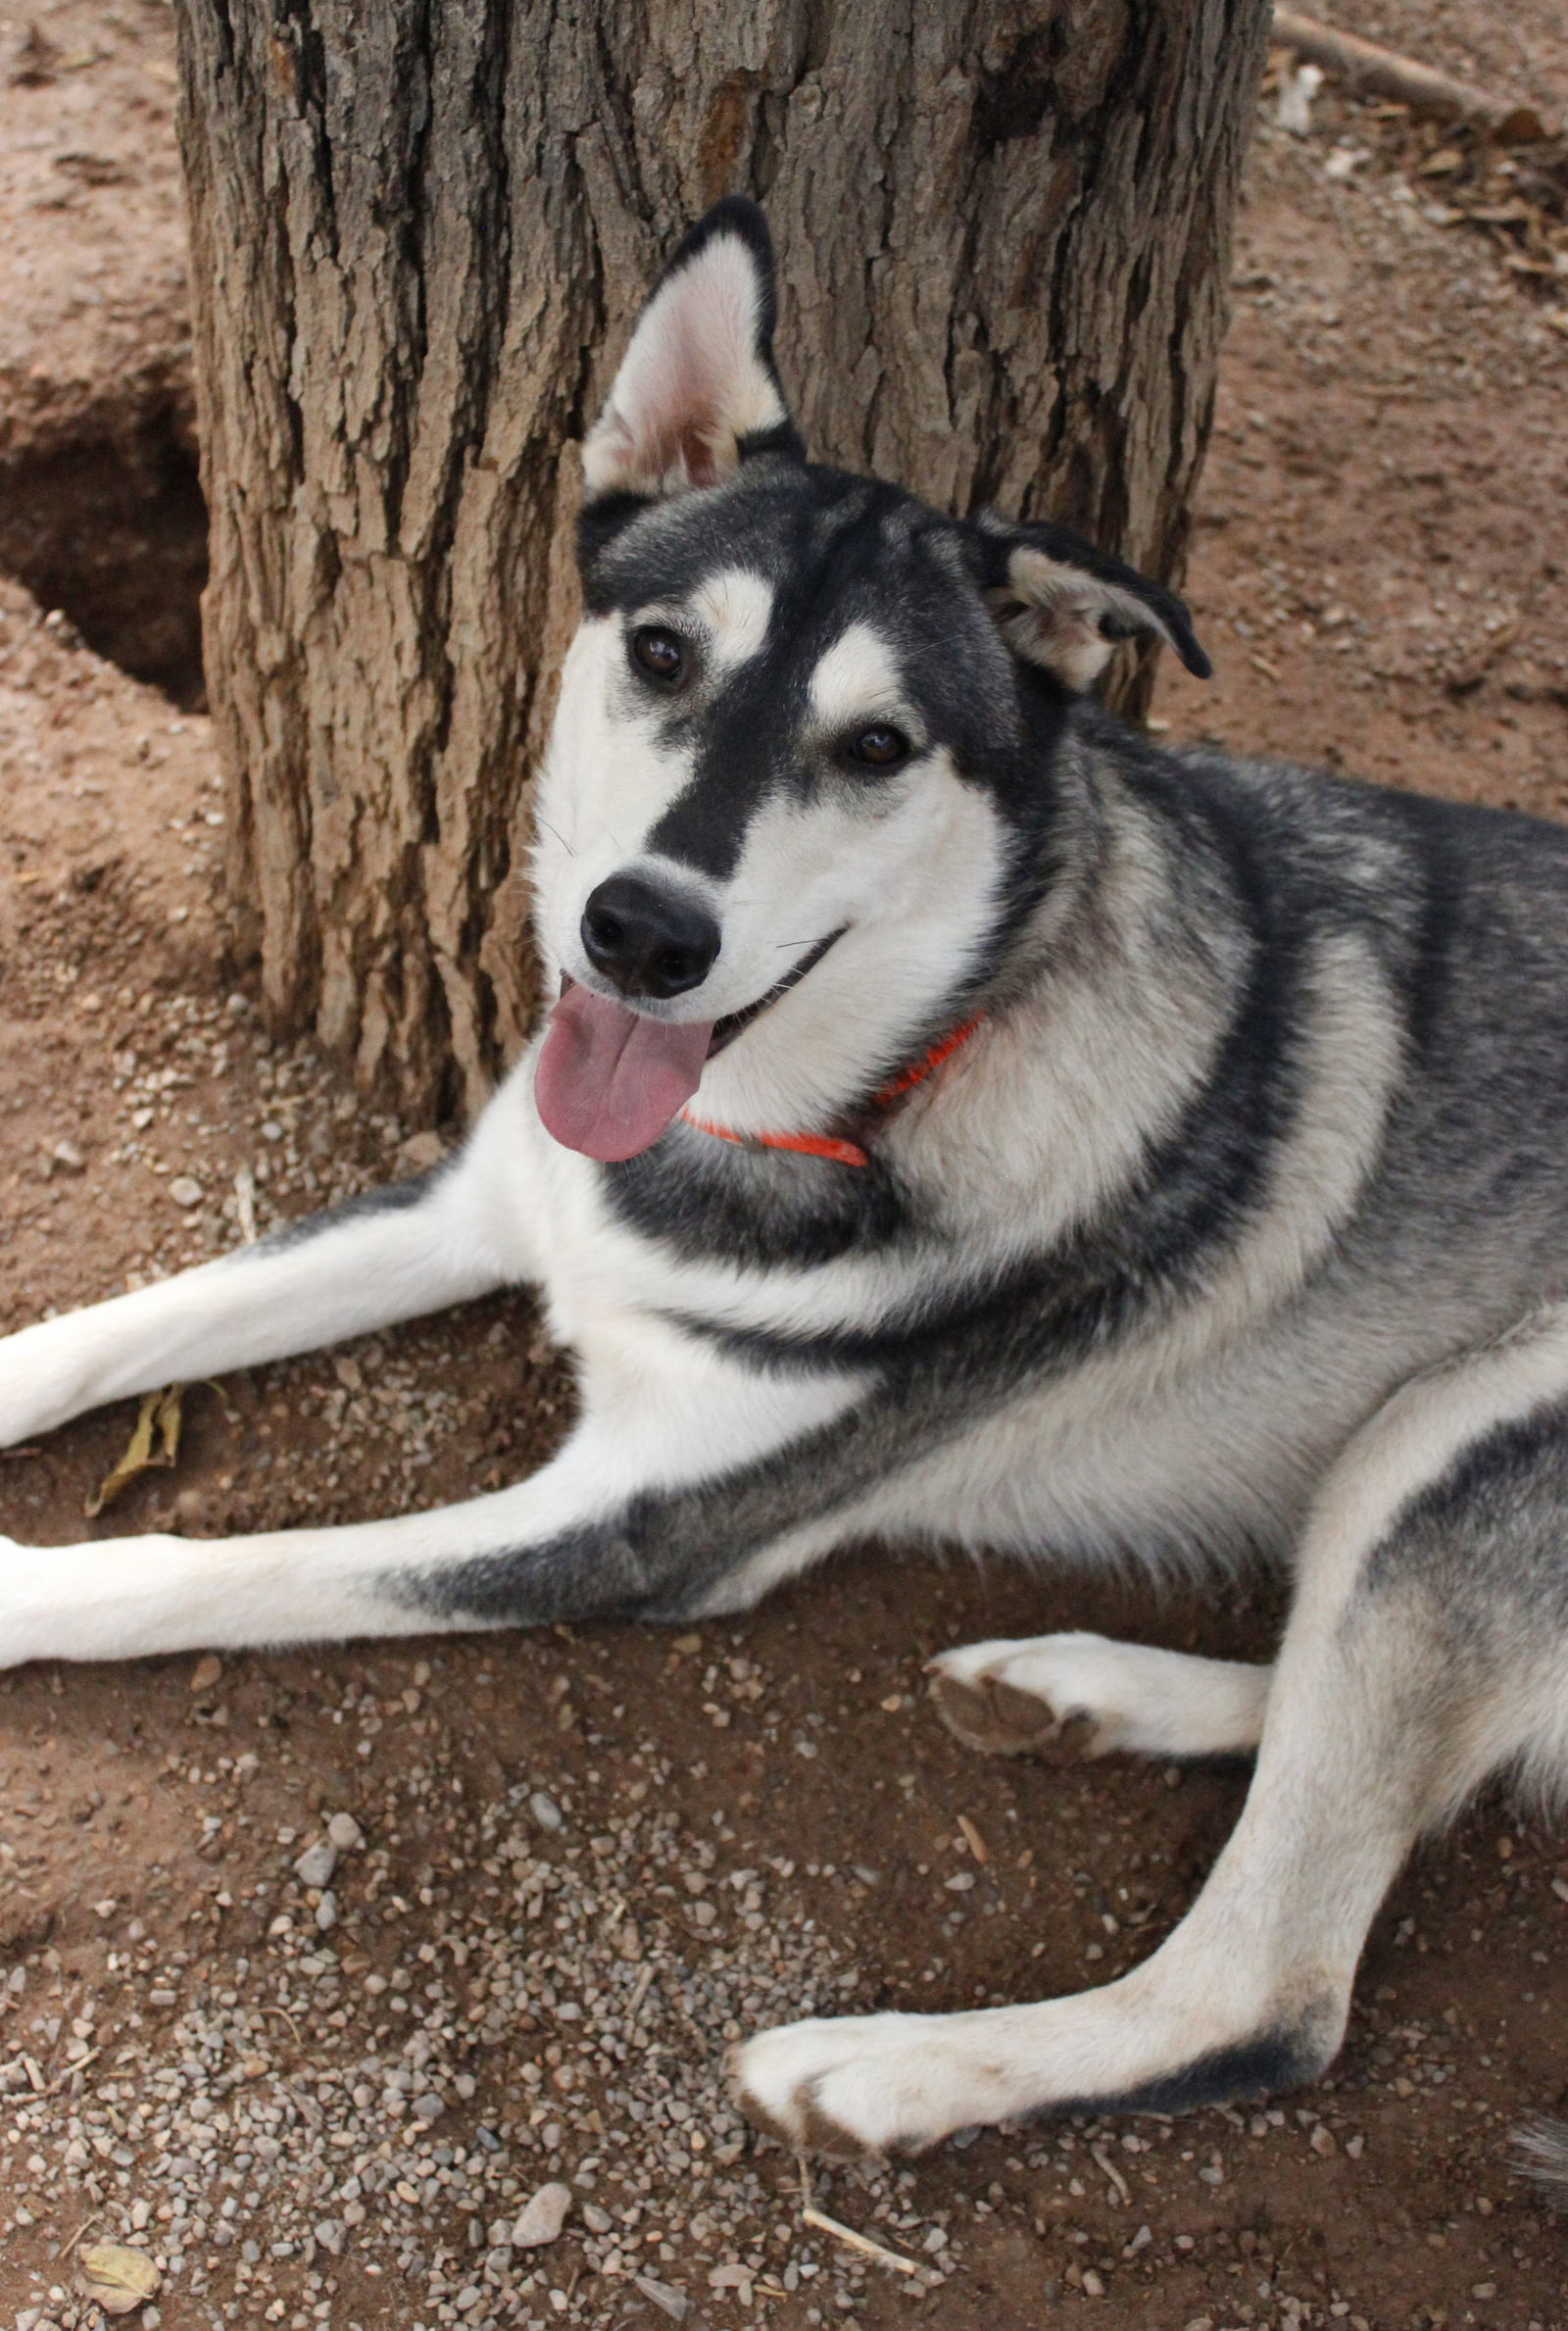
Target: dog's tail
x: 1541, y: 2153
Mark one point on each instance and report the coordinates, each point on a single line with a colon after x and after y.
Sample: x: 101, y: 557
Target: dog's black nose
x: 649, y: 942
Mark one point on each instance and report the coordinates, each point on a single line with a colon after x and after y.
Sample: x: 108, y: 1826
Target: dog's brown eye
x: 879, y: 747
x: 660, y: 653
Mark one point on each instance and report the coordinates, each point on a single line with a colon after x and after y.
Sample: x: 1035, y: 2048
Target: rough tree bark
x: 421, y: 229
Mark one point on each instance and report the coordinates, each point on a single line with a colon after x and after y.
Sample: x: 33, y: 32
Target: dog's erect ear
x: 1061, y: 602
x: 696, y: 392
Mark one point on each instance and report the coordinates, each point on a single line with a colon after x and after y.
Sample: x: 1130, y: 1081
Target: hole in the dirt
x: 108, y: 523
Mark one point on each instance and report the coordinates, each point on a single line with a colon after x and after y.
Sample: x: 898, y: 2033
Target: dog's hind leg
x: 1428, y: 1648
x: 1010, y: 1697
x: 416, y: 1247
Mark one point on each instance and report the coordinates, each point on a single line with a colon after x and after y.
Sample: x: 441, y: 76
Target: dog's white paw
x: 20, y: 1569
x: 862, y: 2084
x: 1008, y: 1697
x: 1086, y: 1695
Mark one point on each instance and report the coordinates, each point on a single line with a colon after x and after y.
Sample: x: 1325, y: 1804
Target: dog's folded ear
x: 1061, y: 602
x: 696, y: 392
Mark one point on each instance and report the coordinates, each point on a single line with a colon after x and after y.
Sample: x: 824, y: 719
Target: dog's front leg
x: 683, y: 1466
x: 1427, y: 1648
x: 441, y: 1239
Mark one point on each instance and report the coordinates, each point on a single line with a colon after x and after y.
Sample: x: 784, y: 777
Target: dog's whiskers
x: 553, y: 829
x: 558, y: 835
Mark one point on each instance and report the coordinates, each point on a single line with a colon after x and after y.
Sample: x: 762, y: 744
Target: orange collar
x: 823, y: 1145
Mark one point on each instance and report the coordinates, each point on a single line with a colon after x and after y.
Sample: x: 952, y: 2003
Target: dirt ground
x: 313, y: 1968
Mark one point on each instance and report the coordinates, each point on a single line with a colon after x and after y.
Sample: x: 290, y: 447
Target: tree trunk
x: 420, y: 235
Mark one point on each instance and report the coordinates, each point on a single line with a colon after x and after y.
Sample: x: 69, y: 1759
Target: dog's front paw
x: 19, y: 1568
x: 858, y: 2084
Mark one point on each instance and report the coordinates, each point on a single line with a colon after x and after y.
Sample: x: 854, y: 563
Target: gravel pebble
x: 544, y: 2217
x: 315, y: 1865
x: 447, y: 2078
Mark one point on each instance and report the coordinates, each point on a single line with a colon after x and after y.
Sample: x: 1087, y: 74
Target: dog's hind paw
x: 1084, y: 1695
x: 859, y: 2085
x: 1061, y: 1694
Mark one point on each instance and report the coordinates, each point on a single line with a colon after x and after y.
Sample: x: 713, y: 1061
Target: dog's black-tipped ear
x: 1061, y: 602
x: 696, y: 391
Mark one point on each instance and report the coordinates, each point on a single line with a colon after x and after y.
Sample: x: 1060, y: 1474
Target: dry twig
x: 812, y: 2217
x: 1381, y: 73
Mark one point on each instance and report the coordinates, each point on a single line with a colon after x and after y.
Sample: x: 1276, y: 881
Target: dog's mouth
x: 609, y: 1080
x: 734, y: 1024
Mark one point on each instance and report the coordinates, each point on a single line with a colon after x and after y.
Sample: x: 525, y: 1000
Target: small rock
x: 206, y: 1672
x: 315, y: 1865
x: 542, y: 2219
x: 674, y: 2304
x: 67, y: 1156
x: 344, y: 1832
x: 546, y: 1811
x: 430, y: 2107
x: 185, y: 1190
x: 1322, y: 2140
x: 420, y: 1152
x: 326, y: 1912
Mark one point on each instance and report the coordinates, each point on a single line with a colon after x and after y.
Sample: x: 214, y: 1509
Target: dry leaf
x: 115, y: 2278
x: 160, y: 1420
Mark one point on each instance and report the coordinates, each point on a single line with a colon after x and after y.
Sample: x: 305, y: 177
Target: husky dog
x: 965, y: 1122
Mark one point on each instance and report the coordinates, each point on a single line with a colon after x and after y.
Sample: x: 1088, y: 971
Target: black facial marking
x: 834, y: 551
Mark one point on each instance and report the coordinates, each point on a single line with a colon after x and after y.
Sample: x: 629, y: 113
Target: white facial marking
x: 734, y: 608
x: 857, y: 679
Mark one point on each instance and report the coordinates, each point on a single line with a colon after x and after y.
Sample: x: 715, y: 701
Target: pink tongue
x: 606, y: 1081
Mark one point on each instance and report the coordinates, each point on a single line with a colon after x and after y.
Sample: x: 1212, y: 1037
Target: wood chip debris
x: 1368, y: 69
x: 1104, y: 2162
x: 974, y: 1840
x: 810, y: 2215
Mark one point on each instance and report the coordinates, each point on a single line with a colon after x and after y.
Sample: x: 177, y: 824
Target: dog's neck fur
x: 1037, y: 1068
